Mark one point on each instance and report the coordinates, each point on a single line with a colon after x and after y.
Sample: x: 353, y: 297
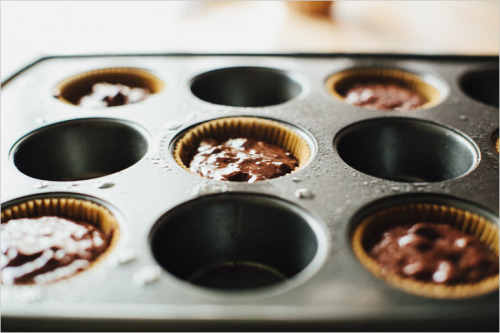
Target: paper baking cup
x: 469, y: 222
x: 321, y: 8
x: 73, y: 88
x: 73, y: 209
x: 339, y: 83
x: 247, y: 127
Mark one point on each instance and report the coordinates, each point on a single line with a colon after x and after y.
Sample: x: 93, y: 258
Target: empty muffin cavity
x: 482, y: 86
x: 80, y: 149
x: 246, y: 86
x: 237, y: 241
x: 406, y: 150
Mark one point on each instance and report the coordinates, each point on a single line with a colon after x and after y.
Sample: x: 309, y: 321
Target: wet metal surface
x: 175, y: 225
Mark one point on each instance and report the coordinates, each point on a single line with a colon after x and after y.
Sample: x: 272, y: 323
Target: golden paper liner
x: 496, y: 142
x: 236, y: 127
x: 73, y: 88
x: 78, y: 210
x: 320, y: 8
x: 469, y: 222
x: 340, y: 82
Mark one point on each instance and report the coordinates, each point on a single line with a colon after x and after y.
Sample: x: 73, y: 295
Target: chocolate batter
x: 47, y: 249
x: 241, y: 159
x: 383, y: 96
x: 107, y: 94
x: 434, y: 252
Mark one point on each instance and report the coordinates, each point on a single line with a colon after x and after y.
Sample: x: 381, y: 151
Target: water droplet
x: 40, y: 120
x: 146, y: 275
x: 365, y: 183
x: 463, y: 117
x: 395, y: 188
x: 172, y: 126
x: 41, y: 184
x: 105, y: 184
x: 296, y: 179
x: 304, y: 193
x: 339, y: 210
x: 126, y: 255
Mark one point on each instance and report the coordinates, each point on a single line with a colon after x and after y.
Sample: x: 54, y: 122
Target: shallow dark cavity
x: 234, y: 241
x: 245, y: 87
x: 79, y: 149
x: 482, y: 86
x: 236, y: 275
x: 406, y: 150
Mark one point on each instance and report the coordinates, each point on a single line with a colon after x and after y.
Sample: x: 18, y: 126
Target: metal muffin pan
x: 173, y: 222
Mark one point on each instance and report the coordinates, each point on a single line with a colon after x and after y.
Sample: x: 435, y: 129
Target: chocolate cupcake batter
x: 433, y: 252
x: 47, y: 249
x: 241, y: 159
x: 106, y: 94
x: 383, y: 96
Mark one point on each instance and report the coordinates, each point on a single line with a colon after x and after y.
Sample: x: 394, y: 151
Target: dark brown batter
x: 107, y: 94
x: 383, y: 96
x: 47, y: 249
x: 241, y: 159
x: 434, y: 252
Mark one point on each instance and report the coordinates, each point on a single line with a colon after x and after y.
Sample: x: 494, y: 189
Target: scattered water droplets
x: 419, y: 186
x: 304, y: 193
x: 207, y: 188
x: 160, y: 162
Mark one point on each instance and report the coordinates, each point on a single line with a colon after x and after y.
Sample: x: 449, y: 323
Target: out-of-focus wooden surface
x: 30, y: 30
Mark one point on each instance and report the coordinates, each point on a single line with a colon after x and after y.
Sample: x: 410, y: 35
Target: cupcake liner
x: 78, y: 210
x: 496, y: 142
x: 234, y: 127
x: 73, y: 88
x: 321, y: 8
x: 338, y: 83
x: 471, y: 223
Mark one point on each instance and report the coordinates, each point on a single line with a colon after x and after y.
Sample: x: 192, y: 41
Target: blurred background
x: 34, y: 29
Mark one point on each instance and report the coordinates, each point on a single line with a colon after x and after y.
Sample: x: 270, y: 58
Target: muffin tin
x: 199, y: 254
